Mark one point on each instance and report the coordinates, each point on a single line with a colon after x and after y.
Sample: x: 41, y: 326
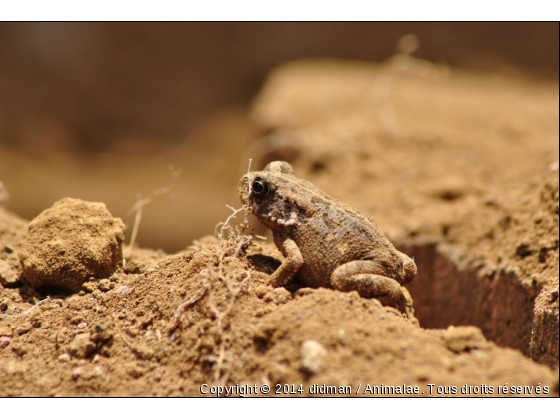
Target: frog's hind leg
x: 358, y: 276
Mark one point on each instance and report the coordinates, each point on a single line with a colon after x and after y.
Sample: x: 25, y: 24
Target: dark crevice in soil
x: 451, y: 289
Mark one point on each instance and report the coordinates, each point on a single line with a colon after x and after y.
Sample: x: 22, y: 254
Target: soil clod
x: 70, y: 243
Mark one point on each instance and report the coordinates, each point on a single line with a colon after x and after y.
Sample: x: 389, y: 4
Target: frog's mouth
x: 290, y: 219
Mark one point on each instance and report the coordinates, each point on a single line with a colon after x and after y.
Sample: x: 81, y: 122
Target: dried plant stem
x: 220, y: 288
x: 200, y: 293
x: 399, y: 64
x: 26, y: 312
x: 139, y: 205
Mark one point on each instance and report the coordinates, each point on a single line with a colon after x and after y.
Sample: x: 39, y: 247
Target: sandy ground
x: 459, y: 169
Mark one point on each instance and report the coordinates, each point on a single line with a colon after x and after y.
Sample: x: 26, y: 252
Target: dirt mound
x: 208, y: 317
x: 70, y: 243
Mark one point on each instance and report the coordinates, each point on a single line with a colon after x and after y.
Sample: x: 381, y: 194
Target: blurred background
x: 108, y: 111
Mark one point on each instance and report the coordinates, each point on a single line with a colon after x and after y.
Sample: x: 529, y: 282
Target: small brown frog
x: 325, y: 242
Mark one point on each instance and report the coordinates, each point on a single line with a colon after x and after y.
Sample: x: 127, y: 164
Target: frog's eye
x: 260, y: 188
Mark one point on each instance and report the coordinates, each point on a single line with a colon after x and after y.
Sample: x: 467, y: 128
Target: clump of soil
x: 70, y: 243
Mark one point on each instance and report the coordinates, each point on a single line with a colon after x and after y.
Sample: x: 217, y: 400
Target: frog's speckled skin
x: 326, y: 242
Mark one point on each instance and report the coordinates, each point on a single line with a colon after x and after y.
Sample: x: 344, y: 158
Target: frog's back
x: 333, y: 233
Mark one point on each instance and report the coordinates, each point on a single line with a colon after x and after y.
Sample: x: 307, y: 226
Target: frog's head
x: 269, y: 195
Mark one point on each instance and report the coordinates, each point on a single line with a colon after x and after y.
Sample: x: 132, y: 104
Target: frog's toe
x: 409, y: 269
x: 384, y: 289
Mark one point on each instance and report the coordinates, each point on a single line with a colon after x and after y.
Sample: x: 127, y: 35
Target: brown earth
x: 459, y: 169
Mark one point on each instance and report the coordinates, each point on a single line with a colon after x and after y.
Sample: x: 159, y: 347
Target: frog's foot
x: 384, y: 289
x: 355, y: 276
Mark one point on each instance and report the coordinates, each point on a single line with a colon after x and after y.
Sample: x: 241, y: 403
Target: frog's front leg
x: 359, y: 276
x: 291, y: 265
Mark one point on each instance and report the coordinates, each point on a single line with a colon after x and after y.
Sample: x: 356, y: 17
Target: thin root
x: 26, y: 312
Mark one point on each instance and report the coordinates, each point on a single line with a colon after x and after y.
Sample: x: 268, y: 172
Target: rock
x: 101, y: 333
x: 261, y: 291
x: 105, y: 285
x: 64, y: 357
x: 77, y: 372
x: 72, y: 242
x: 123, y: 290
x: 8, y: 278
x: 82, y: 347
x: 5, y: 342
x: 313, y: 355
x: 89, y: 286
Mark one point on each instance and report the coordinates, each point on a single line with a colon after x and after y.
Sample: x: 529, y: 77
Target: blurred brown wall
x: 98, y: 82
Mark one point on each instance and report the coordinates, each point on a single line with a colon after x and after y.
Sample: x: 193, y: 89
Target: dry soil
x: 459, y: 169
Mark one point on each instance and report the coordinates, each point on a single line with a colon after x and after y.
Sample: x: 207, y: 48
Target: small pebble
x: 5, y: 341
x: 313, y: 354
x: 89, y: 287
x: 105, y: 285
x: 64, y: 357
x: 76, y: 373
x: 261, y: 290
x: 123, y: 290
x: 97, y: 372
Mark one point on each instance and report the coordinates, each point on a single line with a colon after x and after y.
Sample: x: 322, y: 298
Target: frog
x: 325, y: 242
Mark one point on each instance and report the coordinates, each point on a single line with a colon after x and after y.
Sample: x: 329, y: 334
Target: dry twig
x: 139, y: 205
